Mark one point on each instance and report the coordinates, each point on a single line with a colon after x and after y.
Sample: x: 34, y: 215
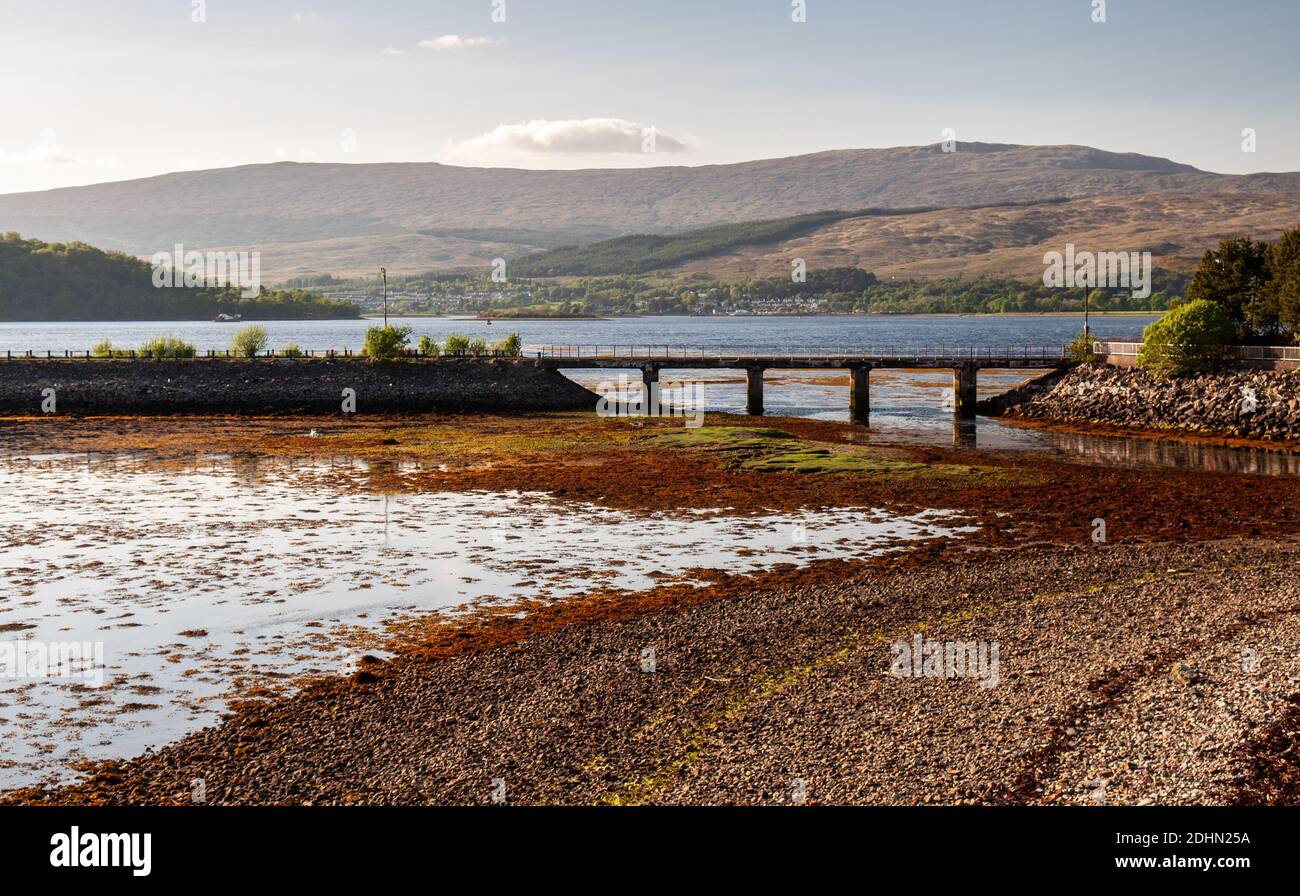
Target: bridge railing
x: 1239, y: 352
x: 939, y: 351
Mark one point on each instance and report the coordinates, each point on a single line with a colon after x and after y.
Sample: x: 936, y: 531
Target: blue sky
x: 94, y: 91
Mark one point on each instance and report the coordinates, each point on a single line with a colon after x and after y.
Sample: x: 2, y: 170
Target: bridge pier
x: 754, y: 391
x: 860, y: 395
x: 963, y: 391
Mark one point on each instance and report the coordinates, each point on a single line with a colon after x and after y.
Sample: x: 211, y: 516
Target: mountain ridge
x: 343, y: 218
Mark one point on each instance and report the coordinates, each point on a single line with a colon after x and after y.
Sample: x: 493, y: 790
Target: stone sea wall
x: 202, y: 386
x: 1251, y: 404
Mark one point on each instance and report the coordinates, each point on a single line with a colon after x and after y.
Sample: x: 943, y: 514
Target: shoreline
x: 1240, y: 405
x: 672, y: 736
x: 744, y: 653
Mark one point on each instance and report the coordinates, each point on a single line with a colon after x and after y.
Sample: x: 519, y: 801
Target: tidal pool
x: 206, y: 579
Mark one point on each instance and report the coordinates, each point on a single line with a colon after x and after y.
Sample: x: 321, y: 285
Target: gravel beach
x: 1127, y: 675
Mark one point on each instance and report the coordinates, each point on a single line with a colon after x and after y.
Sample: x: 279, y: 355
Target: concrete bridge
x: 964, y: 362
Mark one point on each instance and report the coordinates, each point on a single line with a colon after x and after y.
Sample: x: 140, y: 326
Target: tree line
x: 1257, y: 284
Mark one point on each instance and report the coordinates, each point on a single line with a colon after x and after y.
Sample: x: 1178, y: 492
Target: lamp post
x: 383, y: 272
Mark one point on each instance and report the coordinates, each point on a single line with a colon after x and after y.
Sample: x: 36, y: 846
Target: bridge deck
x: 963, y: 361
x: 924, y: 357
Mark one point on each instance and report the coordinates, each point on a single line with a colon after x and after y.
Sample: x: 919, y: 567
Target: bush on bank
x: 1192, y: 338
x: 167, y: 347
x: 1080, y: 349
x: 386, y: 343
x: 249, y: 341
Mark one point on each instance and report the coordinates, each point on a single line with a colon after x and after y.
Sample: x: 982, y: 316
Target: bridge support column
x: 963, y: 391
x: 860, y: 395
x: 754, y: 393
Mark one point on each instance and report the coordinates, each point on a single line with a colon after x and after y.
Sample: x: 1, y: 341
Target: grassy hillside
x: 642, y: 253
x: 74, y: 281
x: 1010, y: 240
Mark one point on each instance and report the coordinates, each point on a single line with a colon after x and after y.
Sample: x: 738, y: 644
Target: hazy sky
x: 93, y: 91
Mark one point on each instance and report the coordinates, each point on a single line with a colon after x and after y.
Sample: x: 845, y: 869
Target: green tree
x: 1189, y: 339
x: 1235, y: 276
x: 1283, y: 291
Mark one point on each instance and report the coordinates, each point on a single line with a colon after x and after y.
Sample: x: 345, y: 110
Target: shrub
x: 428, y: 347
x: 292, y: 350
x: 512, y: 346
x: 1080, y: 349
x: 104, y: 349
x: 456, y: 344
x: 161, y: 347
x: 386, y: 343
x: 249, y: 341
x: 1189, y: 339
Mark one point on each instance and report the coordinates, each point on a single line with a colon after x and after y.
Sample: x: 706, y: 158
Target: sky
x: 93, y: 91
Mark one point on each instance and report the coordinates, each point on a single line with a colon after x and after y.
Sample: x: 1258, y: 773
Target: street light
x: 383, y: 272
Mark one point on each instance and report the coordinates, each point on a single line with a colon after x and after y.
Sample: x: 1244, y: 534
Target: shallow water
x: 202, y: 579
x: 915, y: 407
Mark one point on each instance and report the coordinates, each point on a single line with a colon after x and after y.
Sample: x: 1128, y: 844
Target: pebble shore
x: 1127, y: 675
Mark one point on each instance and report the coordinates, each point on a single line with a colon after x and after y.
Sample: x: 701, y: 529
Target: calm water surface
x: 774, y: 334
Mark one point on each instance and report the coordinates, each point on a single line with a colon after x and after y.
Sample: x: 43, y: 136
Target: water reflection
x: 963, y: 433
x: 1135, y: 452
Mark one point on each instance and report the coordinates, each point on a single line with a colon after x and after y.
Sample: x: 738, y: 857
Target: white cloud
x: 47, y: 151
x: 456, y: 42
x: 575, y: 135
x: 392, y: 51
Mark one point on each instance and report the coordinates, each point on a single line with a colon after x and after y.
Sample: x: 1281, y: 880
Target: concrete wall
x: 201, y: 386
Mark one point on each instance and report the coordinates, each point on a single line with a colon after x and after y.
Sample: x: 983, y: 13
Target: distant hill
x: 700, y: 249
x: 1177, y: 228
x: 350, y: 219
x: 73, y: 281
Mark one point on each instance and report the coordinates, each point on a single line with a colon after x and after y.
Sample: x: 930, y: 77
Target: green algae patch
x: 720, y: 438
x: 557, y: 433
x: 762, y: 450
x: 824, y: 460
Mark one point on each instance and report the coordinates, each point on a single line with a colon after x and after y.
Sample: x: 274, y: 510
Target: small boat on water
x: 227, y: 318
